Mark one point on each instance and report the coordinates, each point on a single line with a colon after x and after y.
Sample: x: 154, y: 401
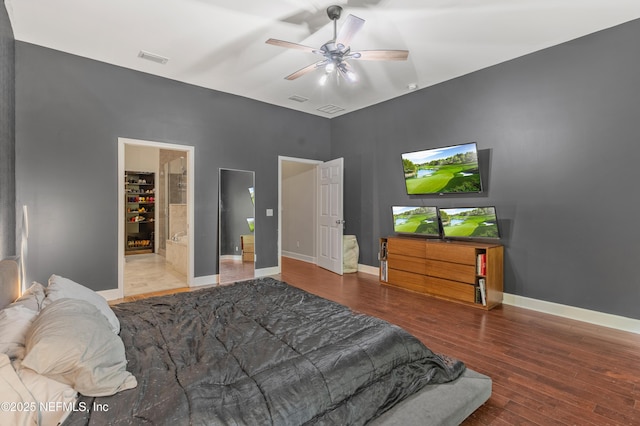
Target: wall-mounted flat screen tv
x: 421, y: 221
x: 469, y: 222
x: 451, y: 169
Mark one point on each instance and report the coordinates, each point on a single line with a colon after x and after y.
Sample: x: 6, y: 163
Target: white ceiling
x: 220, y: 44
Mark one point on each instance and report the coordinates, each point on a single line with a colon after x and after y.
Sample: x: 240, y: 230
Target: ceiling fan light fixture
x: 351, y: 76
x: 337, y: 51
x: 347, y: 72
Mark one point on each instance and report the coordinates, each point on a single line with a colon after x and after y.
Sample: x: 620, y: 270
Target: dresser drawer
x: 452, y: 271
x: 407, y: 263
x: 407, y: 247
x: 407, y: 280
x: 450, y: 289
x: 451, y: 253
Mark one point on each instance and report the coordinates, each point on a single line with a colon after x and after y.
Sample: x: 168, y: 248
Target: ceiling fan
x: 337, y: 51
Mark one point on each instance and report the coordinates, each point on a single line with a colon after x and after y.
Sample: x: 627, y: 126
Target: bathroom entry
x: 236, y: 229
x: 169, y: 264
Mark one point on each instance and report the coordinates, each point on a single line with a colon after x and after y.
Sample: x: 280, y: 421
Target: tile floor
x: 149, y: 273
x: 146, y: 273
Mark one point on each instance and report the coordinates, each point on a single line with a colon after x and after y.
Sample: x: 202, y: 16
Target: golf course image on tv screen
x: 469, y: 222
x: 442, y: 170
x: 416, y: 220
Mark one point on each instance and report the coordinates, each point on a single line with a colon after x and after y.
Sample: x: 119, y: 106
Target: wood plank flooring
x: 546, y: 370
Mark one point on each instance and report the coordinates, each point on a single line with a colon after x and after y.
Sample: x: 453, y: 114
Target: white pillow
x: 71, y: 343
x: 58, y: 398
x: 33, y: 297
x: 61, y: 288
x: 15, y: 321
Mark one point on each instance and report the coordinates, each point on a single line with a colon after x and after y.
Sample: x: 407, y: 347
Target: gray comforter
x: 261, y: 352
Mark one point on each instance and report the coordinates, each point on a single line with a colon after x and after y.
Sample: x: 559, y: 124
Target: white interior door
x: 330, y: 215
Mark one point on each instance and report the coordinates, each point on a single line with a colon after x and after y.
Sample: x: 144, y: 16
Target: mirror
x: 175, y: 199
x: 236, y: 229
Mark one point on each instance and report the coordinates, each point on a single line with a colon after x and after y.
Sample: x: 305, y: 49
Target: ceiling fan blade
x: 304, y: 70
x: 381, y: 55
x: 290, y: 45
x: 349, y: 29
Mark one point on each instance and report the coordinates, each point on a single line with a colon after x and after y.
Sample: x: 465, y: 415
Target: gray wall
x: 236, y: 207
x: 70, y: 112
x: 558, y: 133
x: 7, y: 138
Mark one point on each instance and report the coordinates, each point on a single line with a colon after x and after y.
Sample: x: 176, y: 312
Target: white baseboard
x: 231, y: 257
x: 265, y: 272
x: 298, y: 256
x: 585, y: 315
x: 580, y: 314
x: 373, y: 270
x: 205, y: 280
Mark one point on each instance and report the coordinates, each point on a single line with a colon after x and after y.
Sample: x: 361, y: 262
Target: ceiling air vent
x: 153, y: 57
x: 298, y: 98
x: 330, y: 109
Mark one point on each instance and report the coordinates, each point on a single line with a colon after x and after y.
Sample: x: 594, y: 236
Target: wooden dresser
x: 461, y: 271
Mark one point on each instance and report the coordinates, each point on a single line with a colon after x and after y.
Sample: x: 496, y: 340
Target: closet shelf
x: 139, y: 193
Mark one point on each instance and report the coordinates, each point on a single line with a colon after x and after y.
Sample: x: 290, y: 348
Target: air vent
x: 153, y: 57
x: 298, y: 98
x: 330, y: 109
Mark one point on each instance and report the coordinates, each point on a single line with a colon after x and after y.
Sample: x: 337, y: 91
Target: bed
x: 264, y: 352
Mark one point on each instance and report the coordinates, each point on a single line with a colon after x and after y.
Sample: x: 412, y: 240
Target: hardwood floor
x: 235, y: 270
x: 545, y: 369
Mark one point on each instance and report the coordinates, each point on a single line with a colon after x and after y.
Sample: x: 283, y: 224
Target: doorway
x: 310, y: 202
x: 155, y: 210
x: 297, y: 199
x: 236, y: 225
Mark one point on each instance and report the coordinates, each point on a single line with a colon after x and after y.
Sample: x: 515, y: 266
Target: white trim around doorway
x: 190, y: 150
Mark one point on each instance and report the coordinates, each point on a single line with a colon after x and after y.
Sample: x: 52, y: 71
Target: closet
x: 139, y: 212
